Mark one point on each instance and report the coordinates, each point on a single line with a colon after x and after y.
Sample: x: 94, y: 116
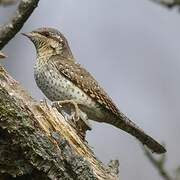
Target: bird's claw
x: 56, y: 104
x: 77, y: 118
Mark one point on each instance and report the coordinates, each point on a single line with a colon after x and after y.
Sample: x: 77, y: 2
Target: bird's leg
x: 65, y: 105
x: 82, y: 125
x: 79, y: 119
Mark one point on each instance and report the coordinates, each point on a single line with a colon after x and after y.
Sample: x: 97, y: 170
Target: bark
x: 11, y: 28
x: 8, y: 2
x: 36, y: 142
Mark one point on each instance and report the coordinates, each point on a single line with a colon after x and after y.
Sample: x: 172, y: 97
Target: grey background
x: 132, y: 48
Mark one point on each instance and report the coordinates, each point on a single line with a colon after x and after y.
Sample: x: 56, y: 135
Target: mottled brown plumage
x: 83, y: 79
x: 60, y: 77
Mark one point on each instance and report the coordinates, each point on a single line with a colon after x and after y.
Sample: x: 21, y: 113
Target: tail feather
x: 127, y: 125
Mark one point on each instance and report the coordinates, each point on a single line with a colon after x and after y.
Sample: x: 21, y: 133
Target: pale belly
x: 57, y: 88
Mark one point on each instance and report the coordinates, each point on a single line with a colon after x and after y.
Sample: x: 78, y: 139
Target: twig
x: 177, y: 173
x: 168, y: 3
x: 10, y: 29
x: 8, y: 2
x: 158, y: 164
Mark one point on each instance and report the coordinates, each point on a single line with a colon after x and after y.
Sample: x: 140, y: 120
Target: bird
x: 61, y: 78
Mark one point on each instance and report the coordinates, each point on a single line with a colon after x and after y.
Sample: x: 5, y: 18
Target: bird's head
x: 49, y: 41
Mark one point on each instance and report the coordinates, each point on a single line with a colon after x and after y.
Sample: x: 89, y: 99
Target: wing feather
x: 84, y: 80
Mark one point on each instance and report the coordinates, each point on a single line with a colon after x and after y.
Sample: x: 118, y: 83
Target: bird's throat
x: 44, y: 53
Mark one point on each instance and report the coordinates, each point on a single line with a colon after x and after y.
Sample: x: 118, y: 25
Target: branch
x: 8, y: 2
x: 168, y: 3
x: 36, y: 142
x: 158, y: 164
x: 10, y: 29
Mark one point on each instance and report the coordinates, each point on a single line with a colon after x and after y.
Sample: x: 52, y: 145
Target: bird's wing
x: 84, y: 80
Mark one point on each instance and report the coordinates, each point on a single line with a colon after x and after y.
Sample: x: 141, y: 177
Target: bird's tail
x: 127, y: 125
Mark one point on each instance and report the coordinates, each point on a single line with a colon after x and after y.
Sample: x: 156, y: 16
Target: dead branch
x: 10, y: 29
x: 159, y: 164
x: 8, y: 2
x: 168, y: 3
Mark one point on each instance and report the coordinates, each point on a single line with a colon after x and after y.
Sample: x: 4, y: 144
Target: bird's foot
x: 66, y: 105
x: 83, y: 124
x: 77, y: 118
x: 44, y: 102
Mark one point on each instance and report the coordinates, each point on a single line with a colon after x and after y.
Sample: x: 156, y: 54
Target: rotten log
x: 36, y: 142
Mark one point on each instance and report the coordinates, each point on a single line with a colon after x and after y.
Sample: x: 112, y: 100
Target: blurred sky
x: 132, y: 48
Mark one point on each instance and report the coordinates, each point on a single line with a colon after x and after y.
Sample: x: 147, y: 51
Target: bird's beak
x: 2, y: 55
x: 29, y: 35
x: 34, y: 37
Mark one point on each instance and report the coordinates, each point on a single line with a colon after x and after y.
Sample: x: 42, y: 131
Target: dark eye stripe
x: 44, y: 33
x: 52, y: 36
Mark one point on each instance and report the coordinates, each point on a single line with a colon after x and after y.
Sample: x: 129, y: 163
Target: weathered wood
x: 36, y: 142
